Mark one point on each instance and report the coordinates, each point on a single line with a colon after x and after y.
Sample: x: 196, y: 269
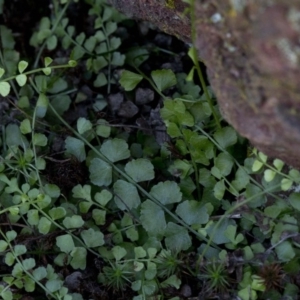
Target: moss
x: 170, y: 4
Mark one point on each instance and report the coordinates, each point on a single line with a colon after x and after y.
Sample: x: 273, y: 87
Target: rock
x: 115, y: 101
x: 253, y: 66
x: 143, y: 96
x: 73, y: 281
x: 128, y: 110
x: 252, y: 53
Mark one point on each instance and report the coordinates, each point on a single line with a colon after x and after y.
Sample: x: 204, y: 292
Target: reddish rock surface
x: 252, y: 51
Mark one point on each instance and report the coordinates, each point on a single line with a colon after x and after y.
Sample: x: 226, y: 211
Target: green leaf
x: 83, y: 192
x: 192, y: 212
x: 257, y: 165
x: 172, y: 129
x: 217, y: 233
x: 60, y: 104
x: 29, y: 284
x: 190, y: 76
x: 44, y: 225
x: 42, y: 105
x: 118, y: 59
x: 149, y: 287
x: 28, y: 263
x: 172, y: 281
x: 65, y: 243
x: 54, y: 285
x: 39, y: 139
x: 39, y: 273
x: 101, y: 80
x: 294, y: 199
x: 47, y: 61
x: 262, y: 157
x: 269, y: 175
x: 22, y: 65
x: 175, y: 111
x: 21, y: 79
x: 4, y: 88
x: 163, y: 79
x: 11, y: 235
x: 224, y: 163
x: 52, y: 190
x: 136, y: 286
x: 59, y: 85
x: 286, y: 184
x: 132, y: 234
x: 153, y: 218
x: 99, y: 216
x: 9, y: 259
x: 140, y: 169
x: 241, y: 179
x: 118, y: 252
x: 57, y: 213
x: 166, y: 192
x: 73, y: 222
x: 278, y: 164
x: 33, y: 217
x: 128, y: 80
x: 92, y: 238
x: 3, y: 245
x: 177, y: 237
x: 151, y: 271
x: 103, y: 130
x: 192, y: 53
x: 90, y: 43
x: 219, y: 189
x: 181, y: 168
x: 295, y: 174
x: 257, y: 199
x: 13, y: 136
x: 138, y: 266
x: 19, y: 250
x: 51, y: 42
x: 126, y: 195
x: 47, y: 71
x: 103, y: 197
x: 137, y: 56
x: 230, y: 233
x: 75, y: 147
x: 78, y: 260
x: 115, y: 150
x: 226, y: 136
x: 100, y: 172
x: 139, y: 252
x: 2, y: 72
x: 272, y: 211
x: 285, y: 251
x: 72, y: 63
x: 25, y: 126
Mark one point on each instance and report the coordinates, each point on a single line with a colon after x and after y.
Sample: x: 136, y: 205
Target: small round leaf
x: 47, y: 61
x: 72, y: 63
x: 21, y: 79
x: 269, y: 175
x: 4, y: 89
x: 2, y: 71
x: 22, y: 66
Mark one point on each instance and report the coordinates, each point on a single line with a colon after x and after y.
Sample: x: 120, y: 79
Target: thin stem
x: 197, y: 65
x: 151, y: 83
x: 37, y: 70
x: 129, y: 179
x: 62, y: 13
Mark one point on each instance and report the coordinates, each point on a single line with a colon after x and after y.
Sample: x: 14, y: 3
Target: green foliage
x: 153, y: 215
